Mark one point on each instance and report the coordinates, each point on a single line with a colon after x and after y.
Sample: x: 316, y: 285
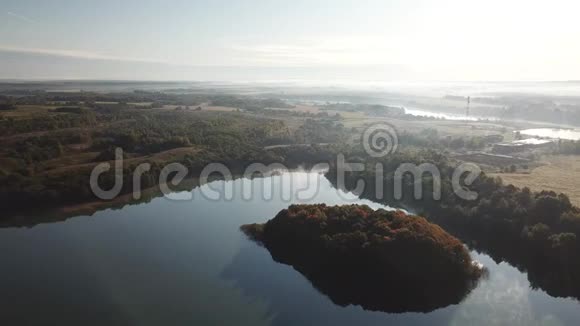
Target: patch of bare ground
x: 559, y: 173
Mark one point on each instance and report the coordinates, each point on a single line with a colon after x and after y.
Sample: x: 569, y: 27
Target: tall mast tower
x: 467, y: 108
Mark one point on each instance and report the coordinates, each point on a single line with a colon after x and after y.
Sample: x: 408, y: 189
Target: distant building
x: 522, y: 145
x: 492, y: 159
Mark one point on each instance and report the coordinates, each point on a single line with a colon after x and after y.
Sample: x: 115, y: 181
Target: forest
x: 535, y: 231
x: 47, y: 155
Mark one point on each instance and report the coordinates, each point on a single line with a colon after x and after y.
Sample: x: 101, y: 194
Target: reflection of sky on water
x: 500, y: 300
x: 568, y: 134
x: 439, y: 115
x: 295, y: 187
x: 505, y: 298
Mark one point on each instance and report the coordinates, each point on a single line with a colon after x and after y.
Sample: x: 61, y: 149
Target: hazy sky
x: 250, y: 39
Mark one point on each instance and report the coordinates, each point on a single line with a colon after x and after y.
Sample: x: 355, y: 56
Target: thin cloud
x: 23, y: 18
x: 325, y: 50
x: 77, y: 54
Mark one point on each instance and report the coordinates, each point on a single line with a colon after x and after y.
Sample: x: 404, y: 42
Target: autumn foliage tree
x: 381, y: 260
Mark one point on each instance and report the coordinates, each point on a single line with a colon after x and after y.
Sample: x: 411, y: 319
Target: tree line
x: 535, y: 231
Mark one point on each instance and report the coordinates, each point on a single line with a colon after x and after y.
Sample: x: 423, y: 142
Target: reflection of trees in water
x: 293, y: 301
x: 34, y: 217
x: 59, y: 214
x: 379, y: 260
x: 556, y: 276
x: 554, y: 270
x: 355, y: 284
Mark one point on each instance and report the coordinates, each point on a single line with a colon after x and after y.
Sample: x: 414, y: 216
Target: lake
x: 185, y: 262
x: 569, y: 134
x: 439, y: 115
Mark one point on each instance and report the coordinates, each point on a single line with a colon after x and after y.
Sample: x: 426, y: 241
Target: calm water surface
x: 569, y: 134
x: 171, y: 262
x: 439, y: 115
